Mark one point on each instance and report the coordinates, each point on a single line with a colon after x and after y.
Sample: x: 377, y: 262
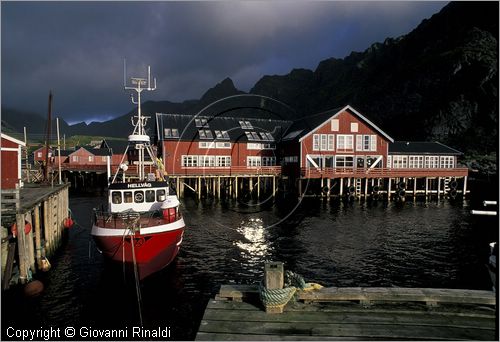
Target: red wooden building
x: 11, y: 149
x: 199, y: 145
x: 39, y: 154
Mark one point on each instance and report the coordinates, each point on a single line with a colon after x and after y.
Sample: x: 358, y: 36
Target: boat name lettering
x: 140, y: 185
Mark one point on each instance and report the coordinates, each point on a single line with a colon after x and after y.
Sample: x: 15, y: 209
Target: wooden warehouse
x: 339, y: 152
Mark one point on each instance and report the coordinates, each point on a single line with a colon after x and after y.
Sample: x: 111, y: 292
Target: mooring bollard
x: 274, y: 278
x: 274, y: 275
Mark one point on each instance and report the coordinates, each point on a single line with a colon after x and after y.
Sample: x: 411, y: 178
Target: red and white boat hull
x: 155, y: 247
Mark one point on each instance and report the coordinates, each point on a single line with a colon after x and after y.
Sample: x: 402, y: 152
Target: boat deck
x: 353, y: 314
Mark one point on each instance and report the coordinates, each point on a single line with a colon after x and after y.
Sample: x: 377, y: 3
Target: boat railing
x: 134, y: 219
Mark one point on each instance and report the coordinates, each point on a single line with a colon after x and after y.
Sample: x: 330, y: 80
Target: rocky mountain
x: 438, y: 82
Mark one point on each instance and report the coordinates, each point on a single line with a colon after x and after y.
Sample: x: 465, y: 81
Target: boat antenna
x: 139, y: 137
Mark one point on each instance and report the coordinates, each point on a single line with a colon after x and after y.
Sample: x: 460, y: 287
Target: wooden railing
x: 330, y: 172
x: 227, y: 171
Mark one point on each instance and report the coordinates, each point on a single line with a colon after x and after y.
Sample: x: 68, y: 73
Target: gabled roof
x: 116, y: 146
x: 187, y: 129
x: 100, y: 151
x: 78, y: 148
x: 421, y: 147
x: 14, y: 140
x: 309, y: 124
x: 64, y: 153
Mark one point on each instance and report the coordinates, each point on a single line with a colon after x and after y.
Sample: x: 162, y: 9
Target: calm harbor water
x: 414, y: 244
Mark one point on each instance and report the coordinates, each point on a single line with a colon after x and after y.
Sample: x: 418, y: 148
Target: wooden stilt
x: 258, y: 187
x: 29, y: 244
x: 274, y: 186
x: 236, y: 187
x: 328, y: 182
x: 389, y: 189
x: 218, y: 187
x: 341, y: 186
x: 21, y: 247
x: 439, y: 187
x: 199, y: 188
x: 38, y: 237
x: 465, y: 186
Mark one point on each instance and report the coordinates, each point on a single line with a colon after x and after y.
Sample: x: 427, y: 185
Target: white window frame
x: 415, y: 162
x: 447, y: 162
x: 373, y: 143
x: 345, y: 142
x: 354, y: 127
x: 254, y: 161
x: 331, y: 142
x: 399, y: 162
x: 223, y: 161
x: 74, y: 159
x: 223, y: 144
x: 431, y: 162
x: 323, y: 142
x: 206, y: 144
x: 335, y: 125
x: 189, y: 161
x: 316, y: 142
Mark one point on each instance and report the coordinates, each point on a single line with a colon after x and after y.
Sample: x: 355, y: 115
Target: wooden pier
x: 383, y: 188
x: 38, y: 213
x: 354, y: 313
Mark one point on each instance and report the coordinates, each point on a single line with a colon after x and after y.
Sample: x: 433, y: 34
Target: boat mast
x: 139, y: 136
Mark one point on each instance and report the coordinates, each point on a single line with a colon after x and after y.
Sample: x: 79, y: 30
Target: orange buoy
x: 27, y: 228
x: 68, y: 222
x: 33, y: 289
x: 13, y: 230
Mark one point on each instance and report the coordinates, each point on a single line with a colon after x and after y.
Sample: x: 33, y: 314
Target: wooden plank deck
x: 473, y: 317
x: 31, y: 195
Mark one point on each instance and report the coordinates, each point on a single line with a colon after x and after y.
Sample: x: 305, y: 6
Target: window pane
x: 150, y: 195
x: 160, y: 195
x: 127, y: 196
x: 116, y: 197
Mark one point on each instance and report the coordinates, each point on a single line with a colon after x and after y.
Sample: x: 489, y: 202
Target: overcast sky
x: 77, y: 48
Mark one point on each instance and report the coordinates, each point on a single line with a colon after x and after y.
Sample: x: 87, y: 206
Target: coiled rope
x: 278, y: 298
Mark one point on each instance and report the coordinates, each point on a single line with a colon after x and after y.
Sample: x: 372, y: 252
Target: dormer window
x: 200, y: 122
x: 221, y: 135
x: 205, y: 134
x: 245, y: 124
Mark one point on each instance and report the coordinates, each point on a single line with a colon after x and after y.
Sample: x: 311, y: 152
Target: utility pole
x: 59, y: 151
x: 26, y: 151
x: 47, y: 141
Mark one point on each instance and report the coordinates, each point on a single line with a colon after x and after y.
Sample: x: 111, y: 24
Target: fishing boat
x: 142, y: 226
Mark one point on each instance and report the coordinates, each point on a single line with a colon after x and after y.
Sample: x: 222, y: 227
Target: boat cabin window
x: 116, y: 197
x: 160, y: 195
x: 128, y: 196
x: 150, y: 195
x: 139, y: 196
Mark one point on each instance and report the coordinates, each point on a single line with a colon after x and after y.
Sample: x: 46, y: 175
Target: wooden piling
x: 38, y: 237
x: 21, y: 240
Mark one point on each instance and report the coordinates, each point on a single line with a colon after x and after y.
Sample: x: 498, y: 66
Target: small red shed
x: 11, y: 162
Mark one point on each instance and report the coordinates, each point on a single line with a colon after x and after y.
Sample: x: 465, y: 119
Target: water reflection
x: 254, y: 245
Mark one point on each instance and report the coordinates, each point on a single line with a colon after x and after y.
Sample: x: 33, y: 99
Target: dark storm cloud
x: 77, y: 48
